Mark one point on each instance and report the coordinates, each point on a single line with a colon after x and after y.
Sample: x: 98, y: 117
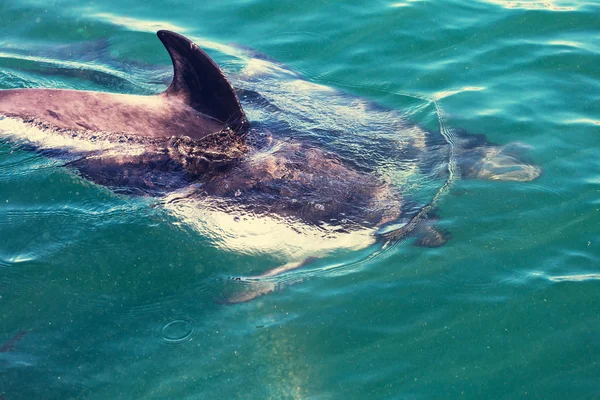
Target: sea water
x: 120, y: 299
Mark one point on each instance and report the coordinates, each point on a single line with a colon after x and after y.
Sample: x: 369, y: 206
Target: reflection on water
x: 136, y: 24
x: 553, y: 5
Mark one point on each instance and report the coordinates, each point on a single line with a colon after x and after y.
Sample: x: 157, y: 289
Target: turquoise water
x: 118, y: 299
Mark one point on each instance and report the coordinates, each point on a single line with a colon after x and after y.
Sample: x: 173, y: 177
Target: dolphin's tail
x: 265, y: 283
x: 502, y: 163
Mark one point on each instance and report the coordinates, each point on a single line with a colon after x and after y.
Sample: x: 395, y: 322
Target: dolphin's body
x: 194, y: 141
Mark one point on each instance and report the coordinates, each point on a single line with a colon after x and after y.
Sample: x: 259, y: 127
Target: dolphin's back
x: 151, y: 116
x: 199, y: 101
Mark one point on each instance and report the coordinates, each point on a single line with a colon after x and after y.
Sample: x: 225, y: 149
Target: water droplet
x: 37, y: 20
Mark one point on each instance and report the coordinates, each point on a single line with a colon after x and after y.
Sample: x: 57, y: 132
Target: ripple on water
x: 176, y: 331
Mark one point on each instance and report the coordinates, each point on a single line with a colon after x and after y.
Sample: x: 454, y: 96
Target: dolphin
x: 255, y: 186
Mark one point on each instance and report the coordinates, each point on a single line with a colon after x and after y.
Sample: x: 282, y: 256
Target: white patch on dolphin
x: 285, y: 239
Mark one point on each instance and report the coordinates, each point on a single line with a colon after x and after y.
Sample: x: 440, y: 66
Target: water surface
x: 118, y: 297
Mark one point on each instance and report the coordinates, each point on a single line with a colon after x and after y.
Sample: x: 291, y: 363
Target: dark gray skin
x: 197, y: 133
x: 156, y: 116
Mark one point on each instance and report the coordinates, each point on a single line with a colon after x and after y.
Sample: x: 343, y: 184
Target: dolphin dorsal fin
x: 201, y: 83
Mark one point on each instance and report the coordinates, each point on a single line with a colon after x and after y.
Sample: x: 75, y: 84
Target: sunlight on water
x: 406, y: 3
x: 583, y: 121
x: 566, y: 278
x: 452, y: 92
x: 137, y: 24
x: 21, y: 258
x: 567, y: 43
x: 574, y: 278
x: 152, y: 26
x: 554, y: 5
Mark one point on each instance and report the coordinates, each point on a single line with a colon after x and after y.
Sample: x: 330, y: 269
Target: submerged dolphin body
x: 255, y: 184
